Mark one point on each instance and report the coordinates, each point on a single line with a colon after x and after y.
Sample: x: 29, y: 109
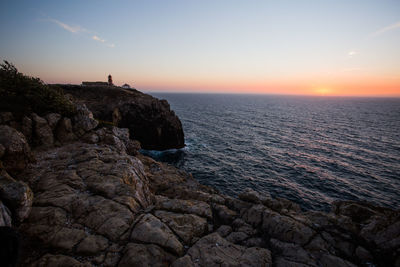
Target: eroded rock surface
x: 90, y: 199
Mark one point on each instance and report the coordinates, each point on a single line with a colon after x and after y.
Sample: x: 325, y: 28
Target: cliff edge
x: 149, y: 120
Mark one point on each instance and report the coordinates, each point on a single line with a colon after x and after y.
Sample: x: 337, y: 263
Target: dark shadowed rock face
x: 149, y: 120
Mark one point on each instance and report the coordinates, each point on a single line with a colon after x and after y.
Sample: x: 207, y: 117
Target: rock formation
x: 80, y: 194
x: 149, y: 120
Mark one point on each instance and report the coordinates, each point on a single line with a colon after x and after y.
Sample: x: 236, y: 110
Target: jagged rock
x: 17, y: 195
x: 213, y: 250
x: 133, y: 147
x: 83, y: 120
x: 254, y: 215
x: 64, y: 131
x: 91, y: 138
x: 17, y: 151
x: 292, y: 253
x: 145, y: 255
x: 185, y: 206
x: 5, y: 215
x: 254, y: 242
x: 285, y: 228
x: 224, y: 214
x: 237, y: 237
x: 26, y: 128
x: 151, y: 230
x: 85, y: 195
x: 224, y: 230
x: 237, y: 204
x: 116, y: 116
x: 42, y: 131
x: 253, y: 196
x: 52, y: 120
x: 148, y: 119
x: 186, y: 226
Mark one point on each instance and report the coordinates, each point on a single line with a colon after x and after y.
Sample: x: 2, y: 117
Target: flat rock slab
x: 213, y: 250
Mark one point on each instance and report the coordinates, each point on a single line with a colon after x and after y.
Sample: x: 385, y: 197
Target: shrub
x: 23, y: 94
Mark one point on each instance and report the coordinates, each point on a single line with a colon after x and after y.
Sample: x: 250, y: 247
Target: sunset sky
x: 339, y: 47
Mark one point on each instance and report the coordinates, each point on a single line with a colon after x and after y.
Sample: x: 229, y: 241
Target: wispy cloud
x: 386, y: 29
x: 352, y: 53
x: 97, y: 38
x: 70, y: 28
x: 78, y: 29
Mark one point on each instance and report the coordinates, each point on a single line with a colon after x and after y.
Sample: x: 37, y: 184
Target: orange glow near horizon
x: 318, y: 86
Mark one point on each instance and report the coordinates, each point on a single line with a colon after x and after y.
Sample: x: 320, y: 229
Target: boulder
x: 152, y: 231
x: 17, y: 195
x: 237, y: 237
x: 224, y: 214
x: 52, y: 120
x: 186, y: 226
x: 64, y: 131
x: 253, y: 196
x: 26, y: 128
x: 43, y: 135
x: 83, y: 121
x: 285, y: 228
x: 5, y: 215
x: 17, y: 151
x: 224, y: 230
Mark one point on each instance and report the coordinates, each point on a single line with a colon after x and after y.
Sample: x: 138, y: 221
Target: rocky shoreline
x: 80, y: 194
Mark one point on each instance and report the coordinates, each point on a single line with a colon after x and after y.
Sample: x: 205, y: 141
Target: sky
x: 307, y: 47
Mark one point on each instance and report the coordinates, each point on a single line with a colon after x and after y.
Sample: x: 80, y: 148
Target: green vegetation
x: 23, y: 94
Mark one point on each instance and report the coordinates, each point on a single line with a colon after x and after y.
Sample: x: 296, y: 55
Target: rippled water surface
x: 308, y: 149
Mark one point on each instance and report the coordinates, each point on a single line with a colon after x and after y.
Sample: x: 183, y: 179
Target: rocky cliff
x: 81, y: 195
x: 149, y: 120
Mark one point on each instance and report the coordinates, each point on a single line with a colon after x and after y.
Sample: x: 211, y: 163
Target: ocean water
x: 312, y: 150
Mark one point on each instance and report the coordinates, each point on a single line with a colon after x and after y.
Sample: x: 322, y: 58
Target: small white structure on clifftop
x: 126, y: 86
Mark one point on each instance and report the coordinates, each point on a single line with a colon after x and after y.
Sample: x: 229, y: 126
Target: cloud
x: 97, y: 38
x: 352, y: 53
x: 386, y: 29
x: 79, y: 29
x: 73, y: 29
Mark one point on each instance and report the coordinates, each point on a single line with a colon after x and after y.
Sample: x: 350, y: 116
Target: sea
x: 311, y: 150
